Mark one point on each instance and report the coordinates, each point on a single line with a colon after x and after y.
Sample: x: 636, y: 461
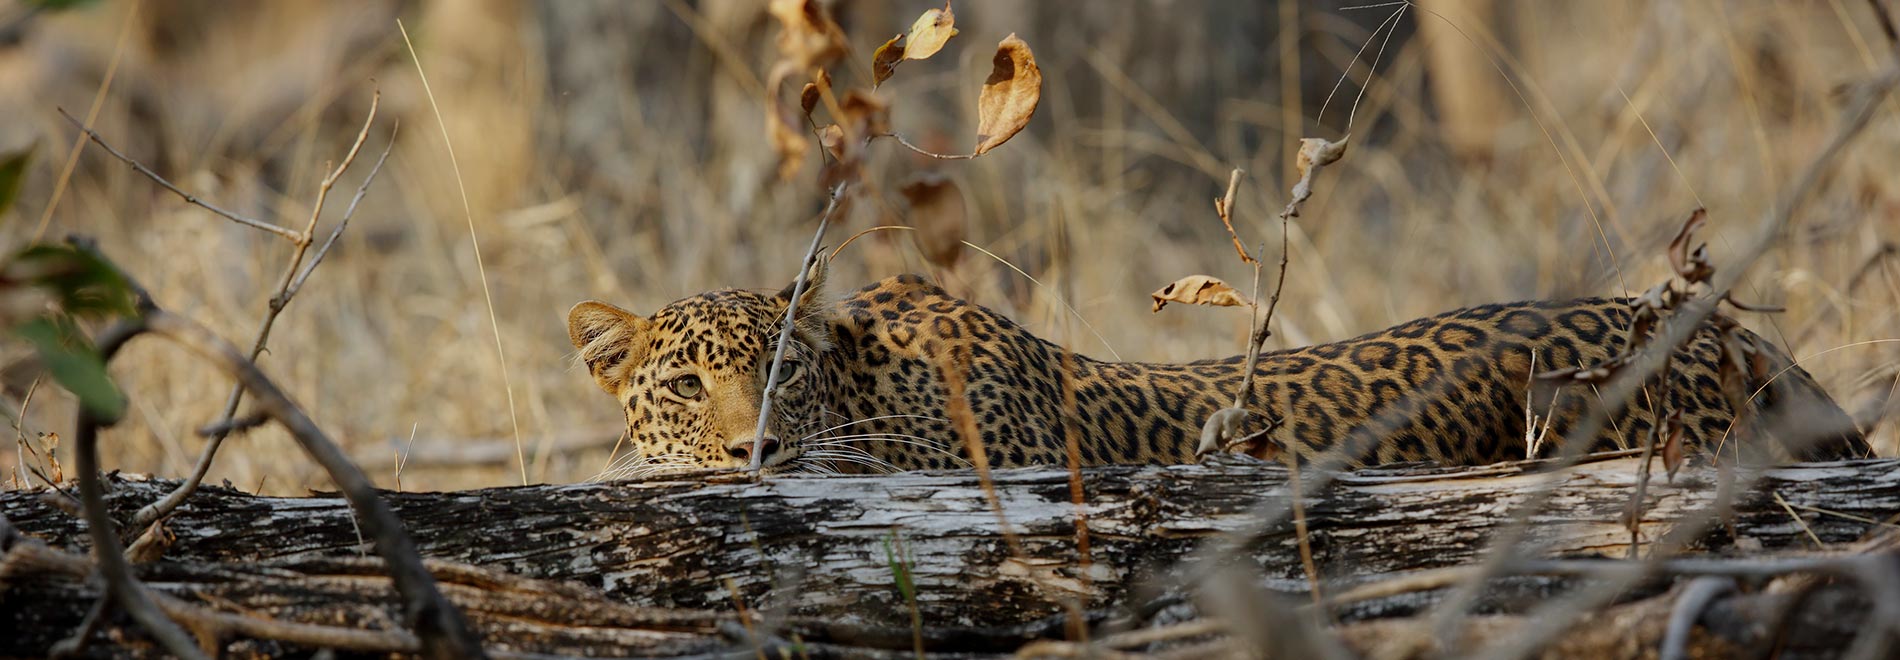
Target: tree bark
x: 582, y: 568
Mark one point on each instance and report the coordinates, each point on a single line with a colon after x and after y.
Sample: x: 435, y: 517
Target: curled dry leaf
x: 1691, y: 265
x: 807, y: 37
x: 866, y: 114
x: 929, y: 33
x: 1672, y: 442
x: 1198, y: 290
x: 1315, y: 153
x: 937, y: 213
x: 782, y: 127
x: 1009, y: 96
x: 884, y: 62
x: 809, y: 97
x: 832, y: 138
x: 863, y: 115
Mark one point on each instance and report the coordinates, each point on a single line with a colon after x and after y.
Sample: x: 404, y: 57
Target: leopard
x: 901, y: 375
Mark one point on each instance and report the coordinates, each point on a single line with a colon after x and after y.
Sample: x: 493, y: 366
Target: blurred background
x: 617, y: 150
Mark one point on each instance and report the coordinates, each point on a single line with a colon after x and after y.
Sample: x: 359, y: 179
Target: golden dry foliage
x: 808, y: 38
x: 938, y: 214
x: 929, y: 33
x: 884, y: 62
x: 1315, y: 153
x: 1198, y: 290
x: 1009, y: 96
x: 814, y: 92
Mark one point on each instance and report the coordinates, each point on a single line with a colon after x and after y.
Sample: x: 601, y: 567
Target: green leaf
x: 75, y: 364
x: 82, y: 283
x: 12, y: 174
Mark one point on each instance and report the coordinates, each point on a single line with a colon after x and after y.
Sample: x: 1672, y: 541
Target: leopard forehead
x: 716, y: 331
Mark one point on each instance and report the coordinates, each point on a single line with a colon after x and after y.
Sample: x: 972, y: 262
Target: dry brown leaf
x: 1672, y: 443
x: 929, y: 33
x: 808, y: 38
x: 782, y: 128
x: 1198, y: 290
x: 1315, y: 153
x: 937, y: 212
x: 813, y: 92
x: 1009, y: 96
x: 832, y: 138
x: 884, y: 62
x: 1691, y: 265
x: 865, y: 114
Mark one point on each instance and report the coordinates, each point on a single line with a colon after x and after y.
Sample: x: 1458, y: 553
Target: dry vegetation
x: 613, y: 150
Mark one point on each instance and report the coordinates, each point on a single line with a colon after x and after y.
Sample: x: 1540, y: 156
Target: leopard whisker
x: 641, y: 466
x: 866, y: 421
x: 857, y: 457
x: 927, y: 444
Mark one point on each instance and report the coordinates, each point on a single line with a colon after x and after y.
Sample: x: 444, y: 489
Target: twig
x: 234, y: 426
x: 189, y: 198
x: 922, y: 151
x: 287, y: 287
x: 1666, y: 418
x: 791, y: 320
x: 443, y: 631
x: 348, y: 212
x: 1224, y: 207
x: 1797, y: 519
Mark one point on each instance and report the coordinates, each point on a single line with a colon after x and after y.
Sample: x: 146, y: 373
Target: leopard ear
x: 605, y: 335
x: 814, y: 307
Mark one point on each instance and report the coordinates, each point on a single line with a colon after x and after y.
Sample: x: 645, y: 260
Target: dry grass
x: 615, y: 151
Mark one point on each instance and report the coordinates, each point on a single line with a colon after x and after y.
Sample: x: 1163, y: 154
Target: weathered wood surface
x: 816, y: 548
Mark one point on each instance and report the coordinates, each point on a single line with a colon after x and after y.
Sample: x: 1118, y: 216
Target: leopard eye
x: 786, y: 371
x: 687, y: 387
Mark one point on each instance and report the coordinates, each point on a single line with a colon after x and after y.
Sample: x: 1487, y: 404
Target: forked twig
x: 295, y: 274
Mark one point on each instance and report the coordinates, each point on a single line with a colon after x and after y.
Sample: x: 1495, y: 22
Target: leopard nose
x: 742, y: 449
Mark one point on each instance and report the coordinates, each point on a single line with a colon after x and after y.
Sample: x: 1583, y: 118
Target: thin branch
x: 1224, y: 207
x: 287, y: 287
x: 443, y: 631
x: 189, y: 198
x: 785, y: 332
x: 922, y: 151
x: 348, y: 212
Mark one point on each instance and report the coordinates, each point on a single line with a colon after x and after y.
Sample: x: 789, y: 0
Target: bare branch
x: 189, y: 198
x: 785, y: 331
x: 922, y: 151
x: 348, y: 212
x: 287, y: 287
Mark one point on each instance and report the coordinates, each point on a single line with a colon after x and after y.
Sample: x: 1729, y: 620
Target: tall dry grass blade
x: 481, y: 270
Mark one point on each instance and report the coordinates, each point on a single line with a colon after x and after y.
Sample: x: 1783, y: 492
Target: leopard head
x: 690, y: 378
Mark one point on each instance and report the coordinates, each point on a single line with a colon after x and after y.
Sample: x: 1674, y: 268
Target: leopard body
x: 869, y: 380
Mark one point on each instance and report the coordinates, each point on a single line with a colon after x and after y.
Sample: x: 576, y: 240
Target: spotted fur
x: 866, y: 389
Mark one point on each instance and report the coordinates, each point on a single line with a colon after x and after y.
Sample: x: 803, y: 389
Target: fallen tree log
x: 827, y: 554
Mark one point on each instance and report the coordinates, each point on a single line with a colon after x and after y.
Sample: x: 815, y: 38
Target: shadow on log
x: 692, y: 565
